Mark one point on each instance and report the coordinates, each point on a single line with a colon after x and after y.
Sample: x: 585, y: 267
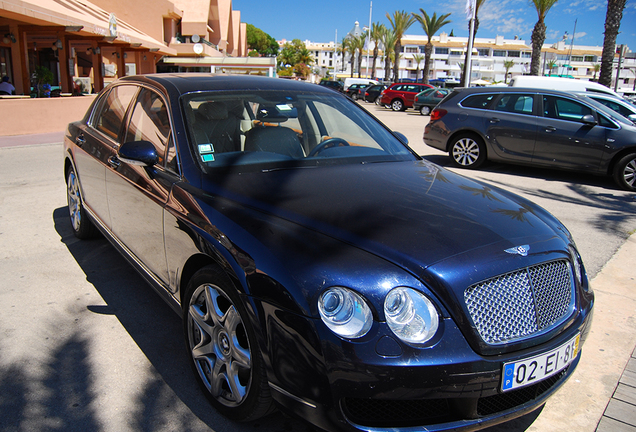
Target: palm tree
x: 478, y: 4
x: 388, y: 40
x: 551, y: 65
x: 430, y: 25
x: 613, y: 19
x: 400, y: 23
x: 417, y: 58
x: 508, y: 64
x: 357, y: 47
x: 376, y: 37
x: 538, y: 33
x: 343, y: 49
x: 597, y: 67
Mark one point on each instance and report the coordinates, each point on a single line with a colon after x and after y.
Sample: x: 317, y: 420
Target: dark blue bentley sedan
x: 319, y: 265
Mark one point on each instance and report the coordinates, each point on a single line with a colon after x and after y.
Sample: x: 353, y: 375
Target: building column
x: 98, y: 74
x: 20, y: 62
x: 63, y: 58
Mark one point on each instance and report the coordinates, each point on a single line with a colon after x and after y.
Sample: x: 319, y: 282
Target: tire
x: 83, y: 227
x: 377, y: 101
x: 354, y: 96
x: 625, y: 172
x: 397, y: 105
x: 223, y: 347
x: 424, y: 110
x: 467, y: 151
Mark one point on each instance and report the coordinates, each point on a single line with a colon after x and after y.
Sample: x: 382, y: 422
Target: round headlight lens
x: 345, y: 312
x: 411, y: 315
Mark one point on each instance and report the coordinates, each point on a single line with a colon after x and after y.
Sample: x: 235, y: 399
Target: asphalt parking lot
x: 87, y: 346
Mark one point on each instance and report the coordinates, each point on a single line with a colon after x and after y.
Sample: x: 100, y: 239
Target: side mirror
x: 401, y: 137
x: 632, y: 117
x: 588, y: 120
x: 140, y: 153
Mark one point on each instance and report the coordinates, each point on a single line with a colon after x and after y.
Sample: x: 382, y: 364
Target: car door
x: 136, y: 194
x: 97, y: 142
x: 511, y: 126
x: 564, y: 140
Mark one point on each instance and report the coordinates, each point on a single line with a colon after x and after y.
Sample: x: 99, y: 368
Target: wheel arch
x: 618, y: 156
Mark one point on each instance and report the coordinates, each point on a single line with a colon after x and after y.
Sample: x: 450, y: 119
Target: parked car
x: 620, y: 105
x: 334, y: 85
x: 535, y: 127
x: 400, y: 96
x: 426, y: 100
x: 354, y: 91
x: 320, y: 265
x: 366, y: 81
x: 372, y: 93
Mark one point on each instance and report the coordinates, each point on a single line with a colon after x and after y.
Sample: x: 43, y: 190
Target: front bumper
x: 378, y: 383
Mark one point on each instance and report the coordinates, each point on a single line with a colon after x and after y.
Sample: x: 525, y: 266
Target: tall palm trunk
x: 428, y: 50
x: 612, y: 25
x: 538, y: 37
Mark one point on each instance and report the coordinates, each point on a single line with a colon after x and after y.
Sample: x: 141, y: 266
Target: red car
x: 400, y: 96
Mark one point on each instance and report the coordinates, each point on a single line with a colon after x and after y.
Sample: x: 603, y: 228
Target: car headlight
x: 577, y: 265
x: 411, y: 315
x: 345, y: 312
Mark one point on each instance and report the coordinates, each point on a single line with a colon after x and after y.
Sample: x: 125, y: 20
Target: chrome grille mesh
x: 519, y: 304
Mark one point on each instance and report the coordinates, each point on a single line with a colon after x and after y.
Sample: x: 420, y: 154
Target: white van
x: 557, y: 83
x: 349, y: 81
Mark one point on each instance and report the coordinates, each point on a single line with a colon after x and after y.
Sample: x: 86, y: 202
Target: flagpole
x: 369, y: 37
x: 473, y: 7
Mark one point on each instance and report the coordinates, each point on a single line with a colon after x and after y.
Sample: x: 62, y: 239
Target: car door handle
x: 80, y: 140
x: 550, y: 129
x: 114, y: 162
x: 494, y: 120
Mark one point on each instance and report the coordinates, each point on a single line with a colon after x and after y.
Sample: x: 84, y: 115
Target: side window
x: 113, y: 110
x: 605, y: 122
x: 150, y: 122
x: 515, y: 103
x: 398, y: 88
x: 615, y: 106
x: 564, y: 109
x: 478, y: 101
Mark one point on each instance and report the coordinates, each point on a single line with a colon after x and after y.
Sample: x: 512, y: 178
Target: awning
x: 82, y: 18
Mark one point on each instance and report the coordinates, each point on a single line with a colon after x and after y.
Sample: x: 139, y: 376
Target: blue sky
x: 318, y: 20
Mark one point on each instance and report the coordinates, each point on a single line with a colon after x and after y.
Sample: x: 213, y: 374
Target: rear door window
x: 515, y: 103
x: 481, y: 100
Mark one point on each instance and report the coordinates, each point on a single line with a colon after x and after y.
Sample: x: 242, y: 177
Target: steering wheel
x: 328, y: 143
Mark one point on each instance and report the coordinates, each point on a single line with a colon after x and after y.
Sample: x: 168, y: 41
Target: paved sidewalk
x: 25, y: 140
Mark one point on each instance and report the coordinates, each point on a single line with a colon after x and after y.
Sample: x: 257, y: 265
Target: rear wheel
x: 354, y: 96
x: 468, y: 151
x: 397, y: 105
x: 625, y: 172
x: 377, y: 101
x: 223, y: 348
x: 83, y: 228
x: 424, y: 110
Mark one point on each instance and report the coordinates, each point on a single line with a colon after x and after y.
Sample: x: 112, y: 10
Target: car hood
x: 413, y: 214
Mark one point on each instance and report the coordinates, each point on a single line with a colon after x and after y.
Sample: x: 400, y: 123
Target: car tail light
x: 437, y: 114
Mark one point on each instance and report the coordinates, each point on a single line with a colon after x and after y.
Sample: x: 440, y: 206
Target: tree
x: 388, y: 40
x: 538, y: 33
x: 343, y: 49
x: 478, y: 5
x: 357, y: 49
x: 613, y: 19
x: 597, y: 68
x: 417, y: 58
x: 261, y: 42
x: 376, y: 37
x: 430, y: 25
x: 400, y: 23
x: 292, y: 56
x: 508, y: 64
x: 551, y: 65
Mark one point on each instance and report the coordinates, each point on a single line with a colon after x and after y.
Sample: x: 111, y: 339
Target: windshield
x: 274, y: 128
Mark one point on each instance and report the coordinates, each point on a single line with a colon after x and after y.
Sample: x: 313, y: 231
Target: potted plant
x: 43, y: 78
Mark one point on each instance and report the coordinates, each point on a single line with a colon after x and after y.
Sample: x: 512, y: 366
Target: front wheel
x: 625, y: 172
x: 397, y: 105
x: 468, y: 151
x: 223, y: 349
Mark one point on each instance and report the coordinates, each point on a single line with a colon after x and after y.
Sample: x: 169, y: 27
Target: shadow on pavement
x: 155, y: 328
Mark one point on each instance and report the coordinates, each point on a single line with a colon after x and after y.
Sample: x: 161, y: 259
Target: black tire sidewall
x: 619, y: 172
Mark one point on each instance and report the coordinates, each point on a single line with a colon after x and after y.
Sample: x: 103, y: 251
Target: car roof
x: 196, y: 82
x: 474, y: 90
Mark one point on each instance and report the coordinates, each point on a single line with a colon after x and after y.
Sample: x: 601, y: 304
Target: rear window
x: 481, y: 100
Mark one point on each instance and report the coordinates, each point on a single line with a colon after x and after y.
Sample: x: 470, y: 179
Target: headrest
x: 213, y: 110
x: 270, y: 114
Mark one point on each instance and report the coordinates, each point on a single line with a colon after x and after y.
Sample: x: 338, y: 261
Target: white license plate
x: 532, y: 370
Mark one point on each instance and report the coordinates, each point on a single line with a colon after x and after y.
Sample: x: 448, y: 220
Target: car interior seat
x: 269, y: 136
x: 215, y: 124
